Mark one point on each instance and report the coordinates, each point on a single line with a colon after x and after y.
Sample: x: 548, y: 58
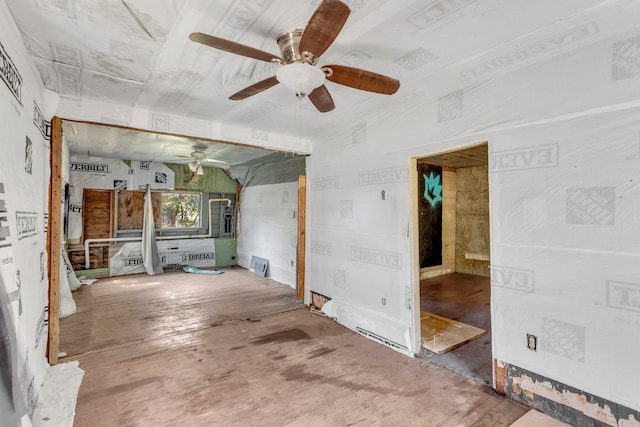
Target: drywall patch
x: 451, y: 107
x: 520, y: 55
x: 565, y: 403
x: 540, y: 156
x: 513, y: 278
x: 626, y: 59
x: 591, y: 206
x: 563, y: 339
x: 416, y: 59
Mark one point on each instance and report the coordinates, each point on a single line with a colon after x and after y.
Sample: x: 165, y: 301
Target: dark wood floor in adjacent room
x: 238, y: 350
x: 465, y: 298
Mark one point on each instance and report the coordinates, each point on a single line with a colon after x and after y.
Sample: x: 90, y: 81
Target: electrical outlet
x: 532, y: 342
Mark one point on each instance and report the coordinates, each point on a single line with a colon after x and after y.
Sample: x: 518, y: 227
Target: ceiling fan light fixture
x: 198, y: 156
x: 300, y: 78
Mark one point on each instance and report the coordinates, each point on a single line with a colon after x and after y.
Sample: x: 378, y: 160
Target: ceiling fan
x: 198, y: 159
x: 195, y: 165
x: 300, y: 51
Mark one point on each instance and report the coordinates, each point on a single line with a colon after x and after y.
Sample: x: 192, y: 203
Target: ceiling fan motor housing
x: 288, y: 44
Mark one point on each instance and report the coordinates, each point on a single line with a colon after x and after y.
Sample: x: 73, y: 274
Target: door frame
x: 54, y: 238
x: 414, y: 243
x: 302, y: 232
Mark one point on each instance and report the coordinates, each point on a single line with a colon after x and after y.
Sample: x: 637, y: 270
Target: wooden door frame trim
x: 302, y: 215
x: 54, y: 238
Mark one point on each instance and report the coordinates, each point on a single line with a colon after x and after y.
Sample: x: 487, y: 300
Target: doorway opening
x: 451, y: 200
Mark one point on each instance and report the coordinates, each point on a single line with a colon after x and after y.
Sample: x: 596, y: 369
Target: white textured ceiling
x: 137, y: 52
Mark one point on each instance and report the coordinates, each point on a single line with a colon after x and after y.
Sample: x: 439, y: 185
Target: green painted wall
x: 214, y: 180
x: 226, y: 252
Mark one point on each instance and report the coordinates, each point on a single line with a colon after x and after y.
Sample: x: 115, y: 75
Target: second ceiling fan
x: 300, y: 51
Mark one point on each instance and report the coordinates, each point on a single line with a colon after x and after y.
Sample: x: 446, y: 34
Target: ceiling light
x: 300, y: 78
x: 198, y: 156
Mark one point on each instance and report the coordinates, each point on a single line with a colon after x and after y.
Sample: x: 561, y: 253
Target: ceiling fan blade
x: 233, y: 47
x: 254, y: 88
x: 321, y: 98
x: 324, y: 26
x: 361, y: 79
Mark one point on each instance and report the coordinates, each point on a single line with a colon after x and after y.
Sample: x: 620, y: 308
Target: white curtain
x: 150, y: 257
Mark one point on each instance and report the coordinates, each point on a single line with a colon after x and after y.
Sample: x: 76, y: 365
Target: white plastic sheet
x: 24, y: 175
x: 150, y: 257
x: 173, y: 254
x: 268, y: 229
x: 57, y: 403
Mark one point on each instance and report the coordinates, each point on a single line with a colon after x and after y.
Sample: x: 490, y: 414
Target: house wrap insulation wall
x: 559, y: 108
x: 268, y: 229
x: 564, y: 187
x: 100, y: 173
x: 25, y: 110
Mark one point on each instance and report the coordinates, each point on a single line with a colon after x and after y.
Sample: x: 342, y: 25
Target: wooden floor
x: 189, y: 350
x: 465, y: 298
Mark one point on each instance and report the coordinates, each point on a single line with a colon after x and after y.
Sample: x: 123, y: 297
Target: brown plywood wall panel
x: 448, y: 227
x: 97, y: 214
x: 472, y: 220
x: 131, y: 209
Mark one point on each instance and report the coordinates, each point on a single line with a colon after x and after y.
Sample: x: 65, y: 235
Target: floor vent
x: 380, y: 339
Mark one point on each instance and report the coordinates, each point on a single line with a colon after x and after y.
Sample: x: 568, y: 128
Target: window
x: 181, y: 209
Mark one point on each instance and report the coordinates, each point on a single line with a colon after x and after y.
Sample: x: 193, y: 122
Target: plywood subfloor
x: 535, y: 418
x: 465, y: 298
x: 440, y: 334
x: 291, y: 368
